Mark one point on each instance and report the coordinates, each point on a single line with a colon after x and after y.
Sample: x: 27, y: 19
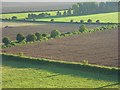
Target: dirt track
x: 98, y: 48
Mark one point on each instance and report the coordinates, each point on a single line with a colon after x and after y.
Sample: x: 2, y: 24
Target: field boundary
x: 72, y: 65
x: 56, y: 22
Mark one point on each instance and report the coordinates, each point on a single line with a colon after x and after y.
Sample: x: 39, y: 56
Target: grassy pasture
x: 103, y: 17
x: 24, y: 15
x: 23, y: 72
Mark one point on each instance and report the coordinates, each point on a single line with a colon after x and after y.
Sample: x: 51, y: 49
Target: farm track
x: 98, y: 48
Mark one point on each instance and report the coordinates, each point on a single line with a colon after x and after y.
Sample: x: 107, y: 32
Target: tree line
x: 21, y: 39
x: 93, y: 7
x: 83, y: 8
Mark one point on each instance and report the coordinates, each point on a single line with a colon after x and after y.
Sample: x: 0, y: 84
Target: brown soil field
x: 42, y: 28
x: 16, y: 24
x: 99, y: 48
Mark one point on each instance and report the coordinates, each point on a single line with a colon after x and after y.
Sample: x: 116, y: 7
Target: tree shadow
x: 108, y: 85
x: 59, y: 68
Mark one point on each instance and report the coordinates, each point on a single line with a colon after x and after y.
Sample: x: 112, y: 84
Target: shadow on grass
x: 108, y: 85
x: 59, y: 69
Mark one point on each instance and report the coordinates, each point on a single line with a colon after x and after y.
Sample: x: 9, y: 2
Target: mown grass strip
x: 72, y: 65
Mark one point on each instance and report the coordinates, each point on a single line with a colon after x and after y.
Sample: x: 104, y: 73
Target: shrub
x: 71, y: 21
x: 75, y: 32
x: 81, y: 21
x: 31, y: 38
x: 44, y: 34
x: 85, y: 62
x: 89, y: 21
x: 97, y: 21
x: 68, y: 33
x: 55, y: 33
x: 6, y: 40
x: 20, y: 37
x: 82, y: 28
x: 45, y: 38
x: 63, y: 34
x: 13, y: 43
x: 14, y: 18
x: 38, y: 35
x: 52, y: 20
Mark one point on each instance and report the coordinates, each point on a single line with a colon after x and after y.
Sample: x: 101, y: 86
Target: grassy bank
x: 26, y: 72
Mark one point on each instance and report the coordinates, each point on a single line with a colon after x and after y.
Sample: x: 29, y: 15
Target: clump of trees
x: 55, y: 33
x: 42, y: 15
x: 31, y: 38
x: 84, y: 8
x: 82, y: 28
x: 81, y: 21
x: 71, y: 20
x: 97, y: 21
x: 14, y: 18
x: 58, y: 13
x: 38, y: 36
x: 6, y: 41
x: 65, y: 13
x: 89, y: 21
x: 20, y: 37
x: 52, y: 20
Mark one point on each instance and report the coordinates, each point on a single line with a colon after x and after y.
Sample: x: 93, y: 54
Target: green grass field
x: 23, y: 73
x: 104, y: 18
x: 24, y: 15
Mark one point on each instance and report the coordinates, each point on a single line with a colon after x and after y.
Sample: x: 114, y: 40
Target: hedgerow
x: 54, y: 34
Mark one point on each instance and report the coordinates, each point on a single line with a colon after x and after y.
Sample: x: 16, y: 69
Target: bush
x: 20, y: 37
x: 63, y: 34
x: 71, y: 21
x: 52, y: 20
x: 55, y: 33
x: 81, y: 21
x: 89, y: 21
x: 82, y: 28
x: 31, y: 38
x: 68, y: 33
x: 13, y: 44
x: 85, y: 62
x: 6, y: 40
x: 44, y: 34
x: 97, y: 21
x: 76, y: 32
x: 38, y: 35
x: 14, y: 18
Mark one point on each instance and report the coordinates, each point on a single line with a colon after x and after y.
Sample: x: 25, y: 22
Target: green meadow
x: 103, y: 17
x: 24, y: 15
x: 46, y: 74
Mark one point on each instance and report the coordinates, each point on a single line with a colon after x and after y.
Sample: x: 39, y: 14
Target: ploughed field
x: 99, y: 48
x: 29, y: 28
